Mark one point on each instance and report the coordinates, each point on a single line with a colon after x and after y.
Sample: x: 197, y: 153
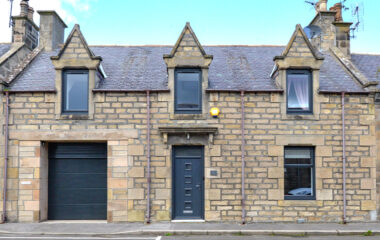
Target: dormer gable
x: 300, y: 46
x: 188, y: 52
x: 76, y: 47
x: 299, y: 53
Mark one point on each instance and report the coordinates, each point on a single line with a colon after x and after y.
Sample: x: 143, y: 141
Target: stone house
x: 124, y: 133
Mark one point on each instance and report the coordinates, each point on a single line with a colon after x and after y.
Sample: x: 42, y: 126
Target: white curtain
x: 301, y: 89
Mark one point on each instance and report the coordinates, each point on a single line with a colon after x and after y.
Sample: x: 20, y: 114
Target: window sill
x: 300, y: 203
x: 288, y: 116
x: 73, y: 117
x: 181, y: 116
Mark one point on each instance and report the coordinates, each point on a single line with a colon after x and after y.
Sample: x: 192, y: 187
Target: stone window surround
x: 312, y: 163
x: 204, y: 85
x: 284, y: 63
x: 320, y: 151
x: 62, y: 64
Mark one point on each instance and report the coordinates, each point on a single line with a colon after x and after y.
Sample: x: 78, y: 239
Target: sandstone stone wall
x: 378, y: 158
x: 33, y: 117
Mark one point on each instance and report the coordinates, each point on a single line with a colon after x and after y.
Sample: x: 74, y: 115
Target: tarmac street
x: 193, y: 237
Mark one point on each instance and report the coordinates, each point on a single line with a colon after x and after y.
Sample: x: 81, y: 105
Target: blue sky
x: 215, y: 22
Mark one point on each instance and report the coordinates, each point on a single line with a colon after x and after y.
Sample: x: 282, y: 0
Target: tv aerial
x: 10, y: 13
x: 357, y: 15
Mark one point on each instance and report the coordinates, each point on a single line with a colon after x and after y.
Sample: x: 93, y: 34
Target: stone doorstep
x: 248, y: 232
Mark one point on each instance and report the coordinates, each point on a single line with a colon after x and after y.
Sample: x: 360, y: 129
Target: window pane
x: 76, y: 92
x: 187, y: 93
x: 297, y: 153
x: 297, y: 161
x: 298, y: 181
x: 298, y: 91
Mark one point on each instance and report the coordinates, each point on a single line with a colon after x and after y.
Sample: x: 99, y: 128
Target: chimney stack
x: 24, y: 30
x: 335, y: 32
x: 52, y: 30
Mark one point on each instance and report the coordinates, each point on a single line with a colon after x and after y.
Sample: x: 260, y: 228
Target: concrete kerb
x: 208, y: 232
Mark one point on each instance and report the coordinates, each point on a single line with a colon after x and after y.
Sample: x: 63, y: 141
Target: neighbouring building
x: 124, y: 133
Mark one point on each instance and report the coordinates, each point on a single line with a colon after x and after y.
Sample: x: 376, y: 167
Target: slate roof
x: 137, y: 68
x: 368, y: 64
x: 4, y: 47
x: 333, y: 77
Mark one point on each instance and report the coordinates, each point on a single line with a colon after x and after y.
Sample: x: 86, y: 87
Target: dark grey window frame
x: 179, y: 110
x: 300, y: 111
x: 311, y: 165
x: 64, y: 79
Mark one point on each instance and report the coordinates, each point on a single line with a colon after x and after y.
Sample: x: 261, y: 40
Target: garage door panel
x: 79, y: 212
x: 67, y: 180
x: 68, y: 150
x: 78, y: 165
x: 79, y: 196
x: 77, y: 181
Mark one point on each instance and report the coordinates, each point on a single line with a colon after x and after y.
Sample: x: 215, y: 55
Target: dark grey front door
x: 77, y: 181
x: 188, y: 178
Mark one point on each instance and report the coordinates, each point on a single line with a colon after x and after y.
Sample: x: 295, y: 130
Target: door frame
x: 202, y: 216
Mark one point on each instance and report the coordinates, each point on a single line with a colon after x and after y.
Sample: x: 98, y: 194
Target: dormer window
x: 75, y: 92
x: 188, y: 91
x: 299, y: 92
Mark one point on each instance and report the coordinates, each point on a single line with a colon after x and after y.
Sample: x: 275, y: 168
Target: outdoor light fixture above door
x: 214, y: 112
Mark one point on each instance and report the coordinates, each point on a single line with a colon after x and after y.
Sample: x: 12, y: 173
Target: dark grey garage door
x: 77, y: 181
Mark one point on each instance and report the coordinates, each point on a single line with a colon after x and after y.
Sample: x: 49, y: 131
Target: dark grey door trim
x: 201, y: 176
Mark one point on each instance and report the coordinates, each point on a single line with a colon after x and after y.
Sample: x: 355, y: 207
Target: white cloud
x: 56, y: 5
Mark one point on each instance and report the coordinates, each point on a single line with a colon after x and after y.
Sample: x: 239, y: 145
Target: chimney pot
x: 30, y: 13
x: 24, y: 8
x: 338, y: 9
x: 321, y: 6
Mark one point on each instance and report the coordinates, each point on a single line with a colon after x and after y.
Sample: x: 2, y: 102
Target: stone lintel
x: 312, y: 140
x: 77, y: 135
x: 187, y: 131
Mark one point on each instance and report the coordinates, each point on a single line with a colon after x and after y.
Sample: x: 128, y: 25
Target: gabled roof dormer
x: 300, y: 47
x: 76, y: 59
x: 76, y: 53
x: 187, y: 52
x: 299, y: 58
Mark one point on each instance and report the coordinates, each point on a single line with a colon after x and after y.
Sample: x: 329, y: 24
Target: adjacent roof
x: 4, y: 47
x: 368, y: 64
x: 134, y: 68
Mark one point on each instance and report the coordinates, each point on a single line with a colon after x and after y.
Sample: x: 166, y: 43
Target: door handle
x: 198, y: 186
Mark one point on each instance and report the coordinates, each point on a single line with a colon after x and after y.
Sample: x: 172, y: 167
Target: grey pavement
x: 271, y: 238
x: 100, y: 229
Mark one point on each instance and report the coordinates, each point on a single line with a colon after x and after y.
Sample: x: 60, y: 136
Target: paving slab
x: 122, y: 229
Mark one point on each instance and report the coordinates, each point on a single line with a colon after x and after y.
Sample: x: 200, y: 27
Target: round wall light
x: 214, y: 112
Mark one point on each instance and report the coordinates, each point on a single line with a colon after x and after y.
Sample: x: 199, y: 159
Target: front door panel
x: 188, y: 187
